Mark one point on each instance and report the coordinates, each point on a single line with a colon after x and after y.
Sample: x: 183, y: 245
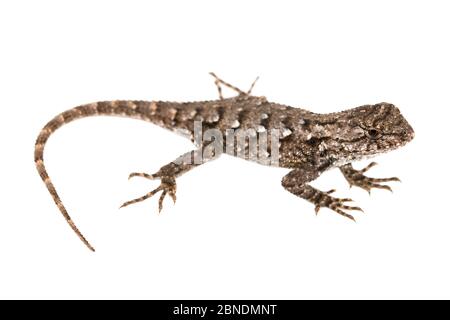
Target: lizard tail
x: 161, y: 113
x: 46, y: 132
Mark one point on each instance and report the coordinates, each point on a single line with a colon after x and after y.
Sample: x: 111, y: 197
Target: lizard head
x: 372, y: 129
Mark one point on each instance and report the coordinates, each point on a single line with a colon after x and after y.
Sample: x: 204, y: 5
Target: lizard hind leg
x: 357, y: 178
x: 168, y: 186
x: 218, y: 82
x: 168, y: 174
x: 249, y: 92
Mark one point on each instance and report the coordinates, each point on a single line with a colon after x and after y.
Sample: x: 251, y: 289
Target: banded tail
x: 161, y: 113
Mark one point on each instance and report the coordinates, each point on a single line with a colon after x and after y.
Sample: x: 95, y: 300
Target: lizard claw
x: 324, y: 200
x: 167, y: 186
x: 358, y: 179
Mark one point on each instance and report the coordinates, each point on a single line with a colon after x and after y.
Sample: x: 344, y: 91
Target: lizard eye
x: 373, y: 133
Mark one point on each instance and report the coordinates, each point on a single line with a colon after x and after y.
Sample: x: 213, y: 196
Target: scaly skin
x: 309, y: 143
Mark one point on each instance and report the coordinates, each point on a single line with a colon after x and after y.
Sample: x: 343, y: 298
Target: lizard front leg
x: 168, y: 173
x: 357, y: 178
x: 296, y: 182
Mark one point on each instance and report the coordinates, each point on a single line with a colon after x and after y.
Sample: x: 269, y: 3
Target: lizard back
x: 239, y: 112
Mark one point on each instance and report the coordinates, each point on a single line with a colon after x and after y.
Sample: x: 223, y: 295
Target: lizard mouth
x: 407, y: 135
x: 410, y: 133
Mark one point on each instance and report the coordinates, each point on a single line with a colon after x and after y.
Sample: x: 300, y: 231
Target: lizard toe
x: 167, y: 186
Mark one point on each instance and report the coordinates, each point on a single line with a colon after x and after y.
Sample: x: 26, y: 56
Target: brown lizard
x: 306, y: 142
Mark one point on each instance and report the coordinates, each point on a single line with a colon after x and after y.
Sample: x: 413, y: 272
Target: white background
x: 234, y: 232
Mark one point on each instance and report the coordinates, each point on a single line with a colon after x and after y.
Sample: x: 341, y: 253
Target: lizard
x: 308, y: 143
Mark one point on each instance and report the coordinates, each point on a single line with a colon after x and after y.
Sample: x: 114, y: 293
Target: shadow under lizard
x: 309, y: 144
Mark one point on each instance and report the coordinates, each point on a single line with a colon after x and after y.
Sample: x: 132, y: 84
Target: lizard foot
x: 357, y: 178
x: 324, y: 200
x: 168, y: 186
